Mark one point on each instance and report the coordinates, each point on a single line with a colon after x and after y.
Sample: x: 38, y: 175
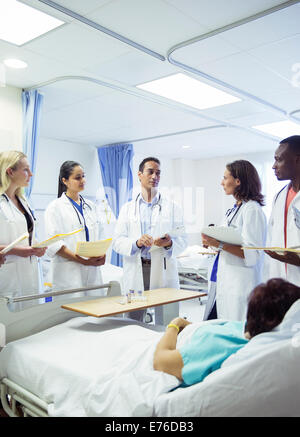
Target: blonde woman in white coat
x: 238, y: 270
x: 19, y: 274
x: 69, y: 212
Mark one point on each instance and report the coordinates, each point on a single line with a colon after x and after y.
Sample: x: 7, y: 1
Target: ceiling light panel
x: 281, y: 129
x: 20, y: 23
x: 189, y: 91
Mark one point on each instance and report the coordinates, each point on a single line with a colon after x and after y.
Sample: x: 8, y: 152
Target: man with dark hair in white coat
x: 284, y: 224
x: 150, y: 234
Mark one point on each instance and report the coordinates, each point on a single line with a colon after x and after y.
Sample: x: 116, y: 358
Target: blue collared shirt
x: 145, y: 209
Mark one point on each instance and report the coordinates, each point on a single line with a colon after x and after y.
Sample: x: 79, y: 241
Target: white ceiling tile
x: 273, y: 27
x: 40, y: 68
x: 247, y: 73
x: 281, y: 56
x: 256, y: 58
x: 68, y: 92
x: 77, y: 45
x: 132, y: 68
x: 204, y: 51
x: 155, y: 24
x: 215, y: 13
x: 82, y: 7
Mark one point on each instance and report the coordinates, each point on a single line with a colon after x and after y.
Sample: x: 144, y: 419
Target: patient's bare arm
x: 166, y: 357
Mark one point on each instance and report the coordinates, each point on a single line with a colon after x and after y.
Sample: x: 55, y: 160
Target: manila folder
x: 89, y: 249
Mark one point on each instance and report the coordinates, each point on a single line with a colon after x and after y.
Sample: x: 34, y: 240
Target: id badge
x: 296, y: 216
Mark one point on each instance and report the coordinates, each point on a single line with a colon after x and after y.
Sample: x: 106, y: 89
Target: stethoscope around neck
x: 230, y: 211
x: 157, y: 203
x: 84, y: 204
x: 29, y: 209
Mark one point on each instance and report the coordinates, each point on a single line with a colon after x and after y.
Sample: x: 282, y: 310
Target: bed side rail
x: 20, y: 324
x: 19, y: 402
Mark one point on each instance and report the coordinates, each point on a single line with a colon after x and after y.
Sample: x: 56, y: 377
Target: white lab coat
x: 18, y: 276
x: 236, y: 276
x: 274, y: 268
x: 164, y: 219
x: 61, y: 218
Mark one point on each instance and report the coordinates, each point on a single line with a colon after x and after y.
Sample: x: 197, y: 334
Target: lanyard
x: 235, y: 209
x: 80, y: 209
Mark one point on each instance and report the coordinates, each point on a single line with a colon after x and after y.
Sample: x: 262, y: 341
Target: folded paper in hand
x: 176, y: 232
x: 89, y: 249
x: 56, y: 238
x: 14, y: 243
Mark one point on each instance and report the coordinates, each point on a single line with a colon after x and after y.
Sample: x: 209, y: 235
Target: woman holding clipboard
x: 69, y: 212
x: 19, y: 274
x: 236, y: 271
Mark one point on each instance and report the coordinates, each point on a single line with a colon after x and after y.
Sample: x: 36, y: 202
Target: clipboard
x: 55, y: 238
x: 88, y: 249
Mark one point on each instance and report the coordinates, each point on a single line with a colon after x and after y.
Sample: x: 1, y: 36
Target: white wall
x: 11, y: 118
x: 51, y: 155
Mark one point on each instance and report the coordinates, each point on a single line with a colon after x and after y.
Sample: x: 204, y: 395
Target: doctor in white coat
x: 238, y: 270
x: 70, y: 212
x: 284, y: 223
x: 147, y: 223
x: 19, y: 275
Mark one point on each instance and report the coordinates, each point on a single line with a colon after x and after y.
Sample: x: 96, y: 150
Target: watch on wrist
x: 221, y: 245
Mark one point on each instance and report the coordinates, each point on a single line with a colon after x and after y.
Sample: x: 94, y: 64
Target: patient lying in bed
x: 116, y: 367
x: 211, y: 344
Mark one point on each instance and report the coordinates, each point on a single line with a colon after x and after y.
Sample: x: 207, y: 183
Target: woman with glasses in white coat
x: 19, y: 274
x: 70, y: 212
x: 236, y: 270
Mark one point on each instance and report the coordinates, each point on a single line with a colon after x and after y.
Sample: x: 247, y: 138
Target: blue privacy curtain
x: 32, y: 106
x: 115, y: 164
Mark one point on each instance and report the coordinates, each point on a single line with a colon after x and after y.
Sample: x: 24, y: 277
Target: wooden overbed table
x: 109, y: 306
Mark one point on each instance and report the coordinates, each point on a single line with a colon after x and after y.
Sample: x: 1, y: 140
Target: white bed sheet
x: 193, y: 262
x: 89, y: 367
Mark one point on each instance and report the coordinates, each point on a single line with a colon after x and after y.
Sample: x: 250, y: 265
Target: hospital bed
x: 58, y: 363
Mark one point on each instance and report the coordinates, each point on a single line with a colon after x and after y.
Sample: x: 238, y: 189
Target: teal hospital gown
x: 208, y: 347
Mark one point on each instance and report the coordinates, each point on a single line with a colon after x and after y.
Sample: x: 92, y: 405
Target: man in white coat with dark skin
x: 284, y: 223
x: 150, y: 234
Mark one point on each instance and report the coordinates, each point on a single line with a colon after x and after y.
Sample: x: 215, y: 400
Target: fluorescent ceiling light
x: 20, y: 23
x: 14, y: 63
x: 281, y: 129
x: 189, y: 91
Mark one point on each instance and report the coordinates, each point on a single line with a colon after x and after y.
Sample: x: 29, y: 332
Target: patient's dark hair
x: 65, y: 171
x: 150, y: 158
x: 250, y: 187
x: 268, y: 304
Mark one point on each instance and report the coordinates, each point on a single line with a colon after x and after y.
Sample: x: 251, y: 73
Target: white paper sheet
x: 14, y: 243
x: 224, y: 234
